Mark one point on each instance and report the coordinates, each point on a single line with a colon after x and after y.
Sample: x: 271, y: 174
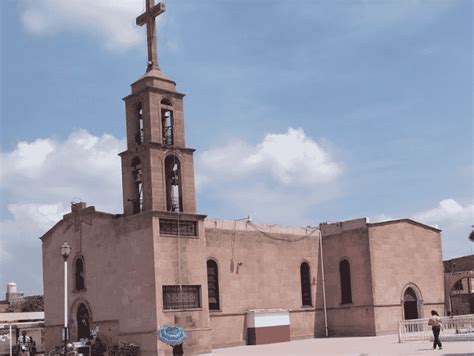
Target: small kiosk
x: 266, y: 326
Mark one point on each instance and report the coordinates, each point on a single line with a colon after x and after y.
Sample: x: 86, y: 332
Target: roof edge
x: 406, y: 220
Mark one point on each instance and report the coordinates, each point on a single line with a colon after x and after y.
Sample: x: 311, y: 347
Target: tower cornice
x: 153, y: 89
x: 157, y: 146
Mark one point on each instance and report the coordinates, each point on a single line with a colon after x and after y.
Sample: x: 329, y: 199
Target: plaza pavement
x: 376, y: 345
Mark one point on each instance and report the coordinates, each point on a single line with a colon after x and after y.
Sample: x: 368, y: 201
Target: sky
x: 301, y: 112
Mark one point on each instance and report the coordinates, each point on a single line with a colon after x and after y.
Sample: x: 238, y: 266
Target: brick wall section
x: 459, y: 264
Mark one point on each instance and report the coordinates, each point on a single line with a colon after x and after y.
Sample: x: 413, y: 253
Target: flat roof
x: 11, y: 317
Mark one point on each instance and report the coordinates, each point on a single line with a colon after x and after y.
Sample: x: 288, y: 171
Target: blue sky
x: 301, y: 112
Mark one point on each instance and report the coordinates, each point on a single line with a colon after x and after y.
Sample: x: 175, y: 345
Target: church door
x: 410, y: 304
x: 83, y: 323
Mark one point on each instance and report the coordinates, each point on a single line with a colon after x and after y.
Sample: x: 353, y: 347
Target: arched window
x: 167, y: 122
x: 213, y: 285
x: 345, y: 274
x: 173, y: 184
x: 137, y: 176
x: 461, y: 296
x: 139, y: 136
x: 459, y: 286
x: 79, y: 274
x: 305, y: 284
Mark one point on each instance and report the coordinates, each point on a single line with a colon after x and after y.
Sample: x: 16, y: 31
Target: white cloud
x: 29, y: 220
x: 379, y: 218
x: 449, y: 212
x: 288, y: 158
x: 38, y: 181
x: 276, y: 180
x: 453, y: 218
x: 42, y: 216
x: 112, y: 20
x: 83, y: 165
x: 27, y: 159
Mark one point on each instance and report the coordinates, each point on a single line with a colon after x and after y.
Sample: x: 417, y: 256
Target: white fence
x: 455, y: 328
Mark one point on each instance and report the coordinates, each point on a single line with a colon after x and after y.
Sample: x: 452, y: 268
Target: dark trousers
x: 178, y: 350
x: 436, y: 330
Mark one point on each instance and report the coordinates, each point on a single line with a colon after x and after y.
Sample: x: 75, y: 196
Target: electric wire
x: 269, y: 235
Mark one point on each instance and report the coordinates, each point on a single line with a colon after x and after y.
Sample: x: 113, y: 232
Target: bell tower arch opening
x: 174, y: 201
x: 167, y: 124
x: 137, y: 176
x: 140, y: 134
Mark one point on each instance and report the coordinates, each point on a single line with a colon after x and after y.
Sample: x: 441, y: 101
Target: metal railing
x: 455, y: 328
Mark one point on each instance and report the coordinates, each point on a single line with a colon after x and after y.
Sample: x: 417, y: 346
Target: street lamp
x: 65, y: 251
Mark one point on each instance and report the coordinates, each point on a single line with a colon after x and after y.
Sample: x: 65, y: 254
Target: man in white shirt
x: 24, y: 344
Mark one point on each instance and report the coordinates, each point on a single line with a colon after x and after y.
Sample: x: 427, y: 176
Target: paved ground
x: 377, y: 345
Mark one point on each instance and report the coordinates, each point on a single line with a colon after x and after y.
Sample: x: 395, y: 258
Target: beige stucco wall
x: 404, y: 254
x: 118, y: 258
x: 127, y: 261
x: 228, y: 329
x: 265, y: 274
x: 348, y: 240
x: 180, y: 260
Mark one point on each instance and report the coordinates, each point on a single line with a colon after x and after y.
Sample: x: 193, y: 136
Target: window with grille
x: 181, y: 297
x: 175, y: 227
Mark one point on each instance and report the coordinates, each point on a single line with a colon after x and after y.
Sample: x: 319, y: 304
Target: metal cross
x: 148, y: 18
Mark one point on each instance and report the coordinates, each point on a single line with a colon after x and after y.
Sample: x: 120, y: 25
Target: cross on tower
x: 148, y: 18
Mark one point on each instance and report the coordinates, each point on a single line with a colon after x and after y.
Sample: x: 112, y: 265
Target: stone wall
x: 459, y: 264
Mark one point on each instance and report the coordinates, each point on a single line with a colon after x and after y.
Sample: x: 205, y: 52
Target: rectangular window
x: 181, y: 297
x: 177, y: 227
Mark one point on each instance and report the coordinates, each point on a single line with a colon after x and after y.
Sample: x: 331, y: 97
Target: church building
x: 225, y: 282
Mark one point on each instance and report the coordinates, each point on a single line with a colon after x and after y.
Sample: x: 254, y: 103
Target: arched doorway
x: 462, y: 296
x: 410, y: 304
x: 83, y: 323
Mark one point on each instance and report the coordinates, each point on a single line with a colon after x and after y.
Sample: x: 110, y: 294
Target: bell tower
x: 157, y: 167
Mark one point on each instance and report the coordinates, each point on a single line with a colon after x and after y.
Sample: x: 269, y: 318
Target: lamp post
x: 65, y: 251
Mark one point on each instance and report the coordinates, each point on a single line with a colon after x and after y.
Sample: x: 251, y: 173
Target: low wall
x: 231, y: 329
x: 351, y: 321
x: 228, y: 329
x: 302, y: 323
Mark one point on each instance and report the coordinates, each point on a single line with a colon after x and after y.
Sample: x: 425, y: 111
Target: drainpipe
x: 324, y: 284
x: 10, y: 331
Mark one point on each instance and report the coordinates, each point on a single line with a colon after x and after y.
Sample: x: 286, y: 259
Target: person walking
x: 436, y: 326
x: 24, y: 344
